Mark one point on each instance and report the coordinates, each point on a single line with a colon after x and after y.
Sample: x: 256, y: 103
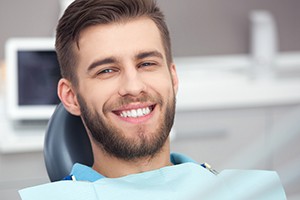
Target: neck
x: 113, y: 167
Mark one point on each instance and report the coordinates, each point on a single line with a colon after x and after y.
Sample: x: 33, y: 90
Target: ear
x: 174, y: 77
x: 67, y: 95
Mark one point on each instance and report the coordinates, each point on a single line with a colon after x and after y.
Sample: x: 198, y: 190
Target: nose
x: 132, y: 84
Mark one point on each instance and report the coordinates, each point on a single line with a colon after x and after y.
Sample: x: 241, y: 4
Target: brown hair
x: 84, y: 13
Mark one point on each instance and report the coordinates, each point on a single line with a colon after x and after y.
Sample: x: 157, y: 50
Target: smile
x: 135, y: 113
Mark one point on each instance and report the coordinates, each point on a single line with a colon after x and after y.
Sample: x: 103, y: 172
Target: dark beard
x: 112, y: 140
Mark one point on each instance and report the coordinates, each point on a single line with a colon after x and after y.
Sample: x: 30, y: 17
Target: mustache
x: 142, y: 98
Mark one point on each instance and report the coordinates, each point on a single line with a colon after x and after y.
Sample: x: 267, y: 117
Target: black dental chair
x: 66, y: 143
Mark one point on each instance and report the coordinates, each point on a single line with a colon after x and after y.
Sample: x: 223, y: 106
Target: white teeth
x: 133, y: 113
x: 136, y: 113
x: 139, y: 112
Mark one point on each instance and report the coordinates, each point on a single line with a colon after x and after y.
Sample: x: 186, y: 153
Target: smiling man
x: 119, y: 77
x: 121, y: 82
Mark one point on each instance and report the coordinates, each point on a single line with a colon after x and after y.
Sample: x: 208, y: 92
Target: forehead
x: 119, y: 39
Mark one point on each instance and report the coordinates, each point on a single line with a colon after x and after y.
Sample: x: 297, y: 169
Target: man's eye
x: 106, y: 71
x: 147, y: 64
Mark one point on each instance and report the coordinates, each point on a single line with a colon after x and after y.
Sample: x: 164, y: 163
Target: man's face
x: 126, y: 90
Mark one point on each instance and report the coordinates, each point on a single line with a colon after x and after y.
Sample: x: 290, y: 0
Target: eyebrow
x: 104, y: 61
x: 147, y: 54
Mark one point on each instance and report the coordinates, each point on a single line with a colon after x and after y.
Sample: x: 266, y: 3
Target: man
x: 119, y: 77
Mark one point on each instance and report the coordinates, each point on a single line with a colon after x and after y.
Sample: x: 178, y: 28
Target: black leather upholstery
x: 66, y: 142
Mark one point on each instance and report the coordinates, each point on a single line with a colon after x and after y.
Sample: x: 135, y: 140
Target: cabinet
x: 286, y: 157
x: 219, y: 137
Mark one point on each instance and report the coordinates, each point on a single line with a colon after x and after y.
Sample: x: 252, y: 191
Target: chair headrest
x: 66, y: 143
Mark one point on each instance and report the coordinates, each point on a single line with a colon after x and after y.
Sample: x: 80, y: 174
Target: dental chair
x: 66, y: 142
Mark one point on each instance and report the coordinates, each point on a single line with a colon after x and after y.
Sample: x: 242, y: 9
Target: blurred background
x: 204, y: 27
x: 238, y: 104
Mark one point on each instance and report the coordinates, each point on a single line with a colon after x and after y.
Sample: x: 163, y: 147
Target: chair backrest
x: 66, y: 142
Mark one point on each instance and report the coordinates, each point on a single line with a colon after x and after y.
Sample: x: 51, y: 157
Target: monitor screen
x: 38, y: 74
x: 32, y: 77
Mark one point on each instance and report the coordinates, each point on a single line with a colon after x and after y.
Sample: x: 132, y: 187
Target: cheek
x: 103, y: 97
x: 161, y: 78
x: 163, y: 86
x: 93, y: 96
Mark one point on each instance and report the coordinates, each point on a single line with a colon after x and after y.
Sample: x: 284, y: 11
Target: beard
x: 113, y: 140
